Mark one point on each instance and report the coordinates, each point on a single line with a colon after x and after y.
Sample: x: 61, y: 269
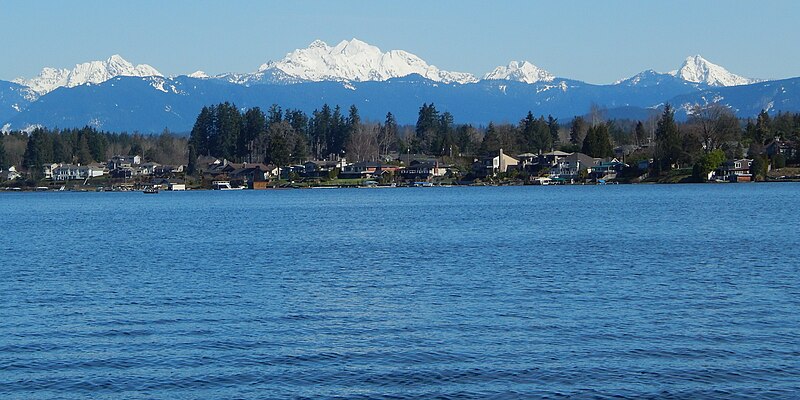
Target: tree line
x: 710, y: 134
x: 85, y: 146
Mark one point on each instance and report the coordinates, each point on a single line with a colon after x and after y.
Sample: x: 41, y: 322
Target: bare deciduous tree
x: 363, y: 144
x: 714, y: 124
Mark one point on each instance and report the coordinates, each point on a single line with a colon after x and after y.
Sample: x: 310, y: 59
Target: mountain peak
x: 318, y: 44
x: 199, y: 75
x: 353, y: 60
x: 699, y: 70
x: 522, y: 71
x: 89, y: 72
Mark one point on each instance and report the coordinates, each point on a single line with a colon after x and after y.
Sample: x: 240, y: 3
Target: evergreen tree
x: 352, y: 124
x: 254, y: 127
x: 466, y: 139
x: 388, y: 134
x: 319, y: 131
x: 3, y: 157
x: 191, y: 166
x: 38, y: 151
x: 553, y: 127
x: 428, y: 129
x: 597, y: 142
x: 229, y: 128
x: 97, y: 143
x: 639, y: 133
x: 668, y: 141
x: 491, y: 141
x: 200, y: 137
x: 274, y: 114
x: 535, y: 134
x: 446, y: 137
x: 62, y: 151
x: 763, y: 128
x: 576, y: 130
x: 527, y: 128
x: 83, y: 153
x: 759, y: 167
x: 279, y: 149
x: 336, y: 132
x: 135, y: 150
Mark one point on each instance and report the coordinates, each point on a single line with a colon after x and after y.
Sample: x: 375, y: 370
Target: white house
x: 66, y: 172
x: 10, y: 174
x: 47, y: 170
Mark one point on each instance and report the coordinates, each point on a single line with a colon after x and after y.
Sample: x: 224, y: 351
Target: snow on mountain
x: 521, y: 72
x: 353, y: 60
x: 648, y: 78
x: 699, y: 70
x: 199, y: 75
x: 91, y: 72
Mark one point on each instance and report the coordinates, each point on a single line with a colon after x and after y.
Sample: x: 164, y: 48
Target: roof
x: 558, y: 153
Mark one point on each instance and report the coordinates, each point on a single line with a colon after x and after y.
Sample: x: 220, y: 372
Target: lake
x: 617, y: 291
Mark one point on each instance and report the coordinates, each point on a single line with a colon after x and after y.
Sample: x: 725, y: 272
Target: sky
x: 594, y: 41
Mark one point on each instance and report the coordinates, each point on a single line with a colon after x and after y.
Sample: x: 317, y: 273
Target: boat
x: 150, y: 190
x: 224, y: 185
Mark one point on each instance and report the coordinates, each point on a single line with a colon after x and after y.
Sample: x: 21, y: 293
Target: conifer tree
x: 83, y: 153
x: 3, y: 157
x: 597, y: 142
x: 553, y: 127
x: 639, y: 133
x: 668, y: 141
x: 428, y: 128
x: 576, y: 129
x: 38, y: 151
x: 254, y: 127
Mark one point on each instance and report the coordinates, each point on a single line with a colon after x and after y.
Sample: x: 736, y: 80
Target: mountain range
x: 117, y: 95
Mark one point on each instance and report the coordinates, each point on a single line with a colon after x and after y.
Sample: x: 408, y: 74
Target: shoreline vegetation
x: 232, y: 148
x: 104, y: 184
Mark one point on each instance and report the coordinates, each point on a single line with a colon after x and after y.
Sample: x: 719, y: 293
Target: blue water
x: 682, y: 291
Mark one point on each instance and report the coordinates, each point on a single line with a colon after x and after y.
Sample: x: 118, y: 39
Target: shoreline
x: 109, y: 190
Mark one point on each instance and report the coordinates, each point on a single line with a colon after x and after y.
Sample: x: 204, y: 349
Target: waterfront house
x: 536, y: 163
x: 122, y: 173
x: 250, y: 174
x: 10, y: 174
x: 366, y: 169
x: 149, y: 168
x: 492, y: 165
x: 736, y: 170
x: 167, y: 170
x: 526, y: 160
x: 607, y: 169
x: 66, y: 172
x: 572, y: 166
x: 123, y: 161
x: 780, y: 147
x: 423, y: 171
x: 319, y: 169
x: 47, y: 170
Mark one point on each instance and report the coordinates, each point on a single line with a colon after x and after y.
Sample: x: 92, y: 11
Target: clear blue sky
x: 594, y: 41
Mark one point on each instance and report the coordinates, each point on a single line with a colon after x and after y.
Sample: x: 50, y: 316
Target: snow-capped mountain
x: 353, y: 61
x: 90, y: 72
x: 520, y: 72
x: 119, y: 96
x: 699, y: 70
x: 199, y: 75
